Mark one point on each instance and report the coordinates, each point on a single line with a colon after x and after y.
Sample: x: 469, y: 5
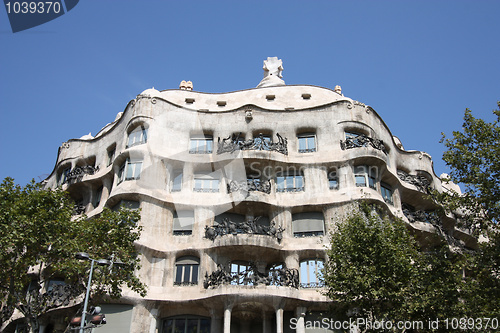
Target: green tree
x: 473, y: 155
x: 39, y: 237
x: 376, y: 271
x: 371, y: 265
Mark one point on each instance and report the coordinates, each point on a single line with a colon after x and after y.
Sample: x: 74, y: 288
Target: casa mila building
x: 238, y: 192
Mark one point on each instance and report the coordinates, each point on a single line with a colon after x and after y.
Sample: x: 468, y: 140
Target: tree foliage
x: 376, y: 268
x: 473, y: 156
x: 376, y: 271
x: 370, y: 264
x: 39, y: 237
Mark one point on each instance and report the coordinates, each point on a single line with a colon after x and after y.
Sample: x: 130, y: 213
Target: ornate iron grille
x: 234, y: 142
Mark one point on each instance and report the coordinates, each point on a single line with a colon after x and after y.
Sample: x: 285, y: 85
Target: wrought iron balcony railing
x: 361, y: 140
x: 252, y: 277
x: 249, y: 186
x: 76, y: 175
x: 228, y: 227
x: 235, y: 142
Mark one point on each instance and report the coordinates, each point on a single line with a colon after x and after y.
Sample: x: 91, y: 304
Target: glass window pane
x: 303, y: 272
x: 187, y: 273
x: 302, y: 144
x: 299, y: 182
x: 192, y: 145
x: 194, y: 270
x: 280, y: 182
x: 137, y: 171
x: 204, y: 326
x: 178, y: 274
x: 310, y: 142
x: 360, y: 180
x: 208, y: 146
x: 168, y: 325
x: 201, y: 146
x: 180, y: 325
x: 130, y: 171
x: 177, y: 182
x: 192, y: 326
x: 371, y: 182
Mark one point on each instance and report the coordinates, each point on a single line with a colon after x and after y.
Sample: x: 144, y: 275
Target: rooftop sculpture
x: 272, y: 73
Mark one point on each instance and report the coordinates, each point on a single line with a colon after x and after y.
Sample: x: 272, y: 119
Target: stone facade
x: 238, y: 192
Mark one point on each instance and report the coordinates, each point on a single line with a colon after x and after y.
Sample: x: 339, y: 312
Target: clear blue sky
x: 419, y: 64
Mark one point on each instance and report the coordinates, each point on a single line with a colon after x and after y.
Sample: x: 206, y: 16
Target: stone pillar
x: 300, y: 313
x: 279, y: 320
x: 153, y: 326
x: 107, y: 185
x: 227, y: 318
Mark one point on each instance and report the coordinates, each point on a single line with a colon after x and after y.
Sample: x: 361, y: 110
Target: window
x: 365, y: 176
x: 206, y: 184
x: 275, y: 274
x: 333, y: 180
x: 241, y: 273
x: 138, y: 136
x: 111, y: 155
x: 54, y: 282
x: 201, y: 144
x: 98, y: 195
x: 186, y: 324
x: 386, y: 190
x: 176, y: 182
x: 186, y: 271
x: 230, y: 217
x: 129, y: 170
x: 183, y: 222
x: 292, y: 182
x: 307, y: 143
x: 310, y: 273
x: 64, y: 175
x: 263, y: 142
x: 308, y: 224
x: 127, y: 204
x: 354, y: 139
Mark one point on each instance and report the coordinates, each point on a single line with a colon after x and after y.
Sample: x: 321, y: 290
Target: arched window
x: 310, y: 273
x: 186, y: 271
x: 137, y: 136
